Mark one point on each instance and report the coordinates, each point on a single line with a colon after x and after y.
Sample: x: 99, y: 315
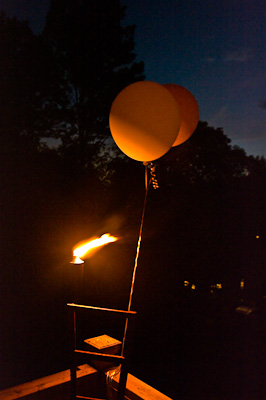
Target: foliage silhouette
x: 30, y: 87
x: 96, y: 54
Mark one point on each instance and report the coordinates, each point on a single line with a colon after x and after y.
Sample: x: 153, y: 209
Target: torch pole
x: 77, y: 273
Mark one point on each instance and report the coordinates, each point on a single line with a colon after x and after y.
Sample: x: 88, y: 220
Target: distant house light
x: 186, y: 283
x: 217, y: 286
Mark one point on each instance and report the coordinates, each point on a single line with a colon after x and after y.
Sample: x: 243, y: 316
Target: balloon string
x: 146, y: 176
x: 137, y: 253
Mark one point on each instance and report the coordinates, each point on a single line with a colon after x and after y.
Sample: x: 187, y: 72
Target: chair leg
x: 73, y: 369
x: 73, y: 383
x: 122, y: 383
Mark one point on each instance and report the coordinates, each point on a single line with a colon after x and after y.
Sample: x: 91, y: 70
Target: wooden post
x: 127, y: 348
x: 73, y: 369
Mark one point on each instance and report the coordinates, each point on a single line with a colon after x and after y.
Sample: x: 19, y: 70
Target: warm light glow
x: 218, y: 286
x: 85, y: 247
x: 242, y: 284
x: 144, y: 120
x: 257, y: 236
x: 186, y: 283
x: 189, y: 111
x: 193, y: 287
x: 77, y: 261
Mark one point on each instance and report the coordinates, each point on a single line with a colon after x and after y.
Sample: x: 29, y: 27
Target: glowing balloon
x: 189, y: 110
x: 144, y: 120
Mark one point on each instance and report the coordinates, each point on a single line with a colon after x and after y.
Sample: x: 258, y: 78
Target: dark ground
x: 216, y: 356
x: 196, y: 348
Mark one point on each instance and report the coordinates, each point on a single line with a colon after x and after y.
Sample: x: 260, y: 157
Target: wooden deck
x: 57, y: 387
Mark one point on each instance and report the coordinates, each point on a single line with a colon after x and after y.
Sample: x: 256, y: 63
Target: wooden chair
x: 122, y: 359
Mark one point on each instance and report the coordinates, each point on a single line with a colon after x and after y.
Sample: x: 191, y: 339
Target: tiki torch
x: 84, y: 250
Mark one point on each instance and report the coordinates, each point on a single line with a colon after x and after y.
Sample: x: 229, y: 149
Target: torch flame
x: 83, y: 249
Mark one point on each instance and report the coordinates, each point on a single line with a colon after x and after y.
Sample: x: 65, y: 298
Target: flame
x: 84, y: 248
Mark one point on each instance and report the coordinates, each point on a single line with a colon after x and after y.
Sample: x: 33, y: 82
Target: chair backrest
x: 122, y: 359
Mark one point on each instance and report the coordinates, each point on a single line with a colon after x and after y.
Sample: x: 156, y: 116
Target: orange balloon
x: 144, y: 120
x: 189, y: 110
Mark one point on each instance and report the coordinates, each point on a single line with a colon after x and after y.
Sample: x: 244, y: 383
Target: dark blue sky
x: 215, y: 48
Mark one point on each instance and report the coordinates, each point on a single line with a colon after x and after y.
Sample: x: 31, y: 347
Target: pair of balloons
x: 146, y: 119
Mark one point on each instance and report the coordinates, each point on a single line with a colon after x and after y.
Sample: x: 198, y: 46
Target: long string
x: 137, y: 254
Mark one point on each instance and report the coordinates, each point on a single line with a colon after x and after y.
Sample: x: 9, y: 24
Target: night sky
x: 216, y: 49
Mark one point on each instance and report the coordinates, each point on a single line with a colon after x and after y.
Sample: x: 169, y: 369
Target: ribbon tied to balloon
x: 146, y: 119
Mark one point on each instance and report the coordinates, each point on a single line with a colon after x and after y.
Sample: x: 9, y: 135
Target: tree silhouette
x: 96, y: 55
x: 209, y: 158
x: 206, y: 157
x: 30, y: 90
x: 208, y: 209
